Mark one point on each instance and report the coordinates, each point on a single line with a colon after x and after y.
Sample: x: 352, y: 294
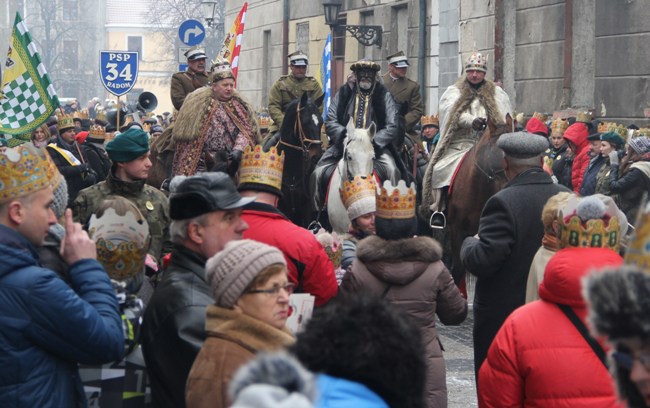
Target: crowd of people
x: 183, y: 293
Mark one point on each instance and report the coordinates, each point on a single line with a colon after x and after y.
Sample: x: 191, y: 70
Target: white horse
x: 357, y: 160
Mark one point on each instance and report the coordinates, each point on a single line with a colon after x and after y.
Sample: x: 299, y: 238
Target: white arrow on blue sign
x: 118, y: 71
x: 191, y: 32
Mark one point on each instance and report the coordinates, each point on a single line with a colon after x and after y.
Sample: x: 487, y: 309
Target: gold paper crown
x: 396, y: 202
x: 603, y: 126
x: 97, y: 132
x: 82, y: 114
x: 122, y: 242
x: 430, y: 120
x: 477, y: 62
x: 638, y: 249
x: 641, y: 132
x: 101, y: 115
x: 360, y: 187
x: 582, y: 226
x: 541, y: 116
x: 264, y: 121
x: 65, y: 122
x: 25, y: 169
x: 558, y: 126
x: 584, y: 117
x: 261, y: 167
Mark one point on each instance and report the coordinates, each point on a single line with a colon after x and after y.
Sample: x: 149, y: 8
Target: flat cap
x: 522, y: 145
x: 203, y: 193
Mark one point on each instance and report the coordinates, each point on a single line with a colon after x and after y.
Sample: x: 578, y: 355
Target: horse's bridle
x: 305, y: 142
x: 490, y: 176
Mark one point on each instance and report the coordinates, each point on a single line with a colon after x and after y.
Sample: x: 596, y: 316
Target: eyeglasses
x: 275, y: 290
x: 626, y: 360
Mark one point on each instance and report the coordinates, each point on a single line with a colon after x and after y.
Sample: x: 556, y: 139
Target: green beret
x: 613, y: 138
x: 128, y: 146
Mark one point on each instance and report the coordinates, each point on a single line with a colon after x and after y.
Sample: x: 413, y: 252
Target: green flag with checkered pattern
x: 27, y: 97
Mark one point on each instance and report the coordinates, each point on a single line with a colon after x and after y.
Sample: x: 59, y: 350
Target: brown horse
x: 479, y: 176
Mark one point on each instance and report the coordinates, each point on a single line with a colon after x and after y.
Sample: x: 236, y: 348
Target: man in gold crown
x: 95, y: 152
x: 214, y: 127
x: 430, y: 132
x: 290, y: 87
x: 48, y: 327
x: 309, y: 266
x: 193, y: 78
x: 70, y: 160
x: 464, y: 110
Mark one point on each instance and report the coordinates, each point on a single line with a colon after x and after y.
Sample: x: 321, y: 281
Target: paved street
x: 459, y: 357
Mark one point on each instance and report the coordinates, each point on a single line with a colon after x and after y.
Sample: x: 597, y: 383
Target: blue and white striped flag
x: 326, y: 73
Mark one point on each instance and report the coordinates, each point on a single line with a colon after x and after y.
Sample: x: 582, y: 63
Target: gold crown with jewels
x: 358, y: 195
x: 477, y: 62
x: 122, y: 242
x: 65, y: 122
x: 558, y: 126
x: 260, y: 167
x: 97, y: 132
x: 26, y: 169
x: 430, y: 120
x: 590, y: 222
x: 396, y: 202
x: 543, y: 117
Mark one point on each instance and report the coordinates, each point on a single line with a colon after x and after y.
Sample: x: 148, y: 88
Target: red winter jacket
x: 538, y: 358
x: 268, y: 225
x: 577, y: 134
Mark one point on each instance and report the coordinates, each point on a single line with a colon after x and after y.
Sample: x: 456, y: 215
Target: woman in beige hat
x: 251, y: 292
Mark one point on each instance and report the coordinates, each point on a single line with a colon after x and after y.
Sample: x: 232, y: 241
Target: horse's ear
x: 319, y: 100
x: 350, y: 126
x: 372, y: 128
x: 509, y: 122
x: 304, y: 99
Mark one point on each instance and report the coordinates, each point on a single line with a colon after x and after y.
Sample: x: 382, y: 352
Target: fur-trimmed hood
x: 248, y: 331
x: 413, y: 255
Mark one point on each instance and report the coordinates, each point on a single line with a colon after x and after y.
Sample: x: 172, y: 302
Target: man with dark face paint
x: 364, y: 100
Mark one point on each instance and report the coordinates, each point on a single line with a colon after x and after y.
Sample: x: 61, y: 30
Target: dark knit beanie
x: 230, y: 271
x: 128, y: 146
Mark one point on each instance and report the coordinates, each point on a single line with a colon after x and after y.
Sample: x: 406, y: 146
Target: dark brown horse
x: 161, y: 156
x: 478, y: 178
x: 299, y: 139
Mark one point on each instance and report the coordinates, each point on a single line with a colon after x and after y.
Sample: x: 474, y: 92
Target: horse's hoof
x: 438, y: 220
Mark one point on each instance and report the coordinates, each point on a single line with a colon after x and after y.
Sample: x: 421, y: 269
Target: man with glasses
x: 310, y: 269
x: 206, y: 214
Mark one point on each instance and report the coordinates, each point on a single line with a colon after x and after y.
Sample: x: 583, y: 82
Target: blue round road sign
x: 191, y: 32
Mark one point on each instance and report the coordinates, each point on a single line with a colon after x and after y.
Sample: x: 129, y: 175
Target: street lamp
x: 209, y: 10
x: 365, y: 34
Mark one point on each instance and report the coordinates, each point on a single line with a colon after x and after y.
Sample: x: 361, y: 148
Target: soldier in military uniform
x: 290, y: 87
x: 405, y: 91
x: 195, y: 77
x: 129, y: 152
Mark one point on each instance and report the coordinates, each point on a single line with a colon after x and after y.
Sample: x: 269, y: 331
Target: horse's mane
x: 290, y: 117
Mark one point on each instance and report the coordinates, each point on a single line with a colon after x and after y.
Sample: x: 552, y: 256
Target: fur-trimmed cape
x: 194, y: 111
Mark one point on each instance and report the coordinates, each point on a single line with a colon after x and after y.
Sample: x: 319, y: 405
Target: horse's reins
x: 491, y: 177
x: 298, y: 129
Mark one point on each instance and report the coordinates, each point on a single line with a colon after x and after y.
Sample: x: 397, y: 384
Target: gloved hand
x: 235, y: 156
x: 613, y: 158
x: 338, y: 140
x: 479, y: 123
x: 83, y: 168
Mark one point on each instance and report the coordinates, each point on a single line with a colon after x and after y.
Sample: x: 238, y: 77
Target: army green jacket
x: 406, y: 92
x: 285, y: 90
x: 183, y: 84
x: 151, y: 202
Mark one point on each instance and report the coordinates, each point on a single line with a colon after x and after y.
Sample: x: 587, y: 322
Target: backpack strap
x: 595, y: 346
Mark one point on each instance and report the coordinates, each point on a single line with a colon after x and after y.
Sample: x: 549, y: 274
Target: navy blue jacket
x: 46, y: 328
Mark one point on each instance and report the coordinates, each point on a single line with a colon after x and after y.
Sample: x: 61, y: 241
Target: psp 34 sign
x: 119, y: 70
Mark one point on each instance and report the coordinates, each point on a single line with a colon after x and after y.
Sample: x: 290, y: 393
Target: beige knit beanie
x: 230, y: 271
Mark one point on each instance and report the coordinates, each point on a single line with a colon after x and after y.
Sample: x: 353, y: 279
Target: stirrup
x: 438, y: 220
